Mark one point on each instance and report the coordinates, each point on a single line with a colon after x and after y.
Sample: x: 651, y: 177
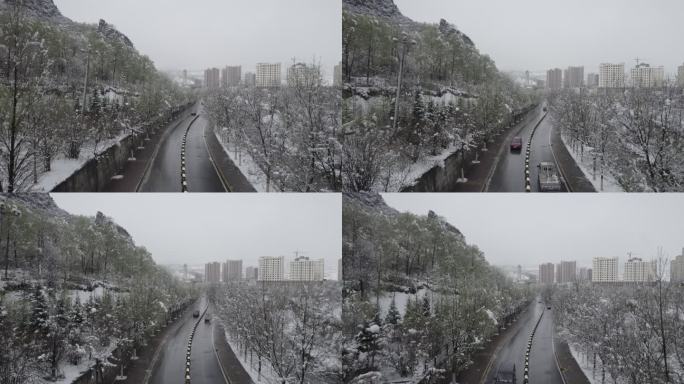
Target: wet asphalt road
x: 204, y: 367
x: 542, y: 364
x: 510, y: 170
x: 164, y: 174
x: 543, y: 368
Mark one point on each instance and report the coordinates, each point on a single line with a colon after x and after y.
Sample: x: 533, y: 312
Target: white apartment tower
x: 232, y: 270
x: 645, y: 76
x: 268, y: 75
x: 303, y: 269
x: 271, y: 268
x: 612, y: 75
x: 638, y: 271
x: 604, y: 270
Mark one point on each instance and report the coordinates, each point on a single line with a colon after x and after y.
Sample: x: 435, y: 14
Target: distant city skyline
x: 538, y: 35
x: 212, y: 33
x: 195, y: 229
x: 531, y: 229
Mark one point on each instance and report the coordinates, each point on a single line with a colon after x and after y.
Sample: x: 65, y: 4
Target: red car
x: 516, y: 143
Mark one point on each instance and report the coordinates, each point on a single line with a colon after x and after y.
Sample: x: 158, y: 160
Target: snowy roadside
x: 62, y: 168
x: 585, y: 164
x: 406, y: 175
x: 267, y: 375
x: 584, y: 364
x: 245, y: 164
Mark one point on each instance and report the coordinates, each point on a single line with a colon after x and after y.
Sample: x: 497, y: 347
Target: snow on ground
x: 585, y: 164
x: 246, y: 164
x: 62, y: 168
x: 586, y: 364
x: 400, y: 300
x: 267, y: 376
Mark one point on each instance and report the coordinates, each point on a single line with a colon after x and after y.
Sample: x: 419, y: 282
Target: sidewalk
x: 574, y: 177
x: 569, y: 368
x: 478, y: 174
x: 229, y: 362
x: 229, y: 172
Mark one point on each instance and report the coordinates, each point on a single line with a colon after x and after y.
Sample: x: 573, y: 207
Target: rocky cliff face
x: 369, y: 201
x: 386, y: 9
x: 112, y: 34
x: 40, y: 8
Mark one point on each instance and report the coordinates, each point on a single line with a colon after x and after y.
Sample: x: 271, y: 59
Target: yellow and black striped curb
x: 526, y: 373
x: 184, y: 178
x: 188, y: 353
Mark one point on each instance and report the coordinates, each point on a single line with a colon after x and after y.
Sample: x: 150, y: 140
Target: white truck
x: 548, y: 178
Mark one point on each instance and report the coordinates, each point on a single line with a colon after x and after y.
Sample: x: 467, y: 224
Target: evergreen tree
x: 393, y: 315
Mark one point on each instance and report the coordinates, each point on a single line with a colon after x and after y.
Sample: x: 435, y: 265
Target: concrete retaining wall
x: 97, y: 172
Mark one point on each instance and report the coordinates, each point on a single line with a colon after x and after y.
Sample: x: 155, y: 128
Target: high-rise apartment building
x: 611, y: 76
x: 604, y: 269
x: 212, y: 272
x: 231, y: 76
x: 677, y: 269
x: 639, y: 271
x: 546, y: 273
x: 303, y: 269
x: 250, y: 79
x: 271, y: 268
x: 574, y: 77
x: 268, y: 75
x: 232, y: 270
x: 251, y: 273
x: 592, y: 80
x: 337, y: 75
x: 567, y: 272
x: 680, y: 75
x: 584, y: 274
x: 212, y: 78
x: 303, y: 75
x: 645, y: 76
x: 554, y: 79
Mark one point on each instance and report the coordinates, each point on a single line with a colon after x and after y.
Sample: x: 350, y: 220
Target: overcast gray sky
x: 197, y: 228
x: 529, y: 229
x: 541, y: 34
x: 197, y: 34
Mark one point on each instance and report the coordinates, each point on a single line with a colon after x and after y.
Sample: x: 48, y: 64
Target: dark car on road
x: 207, y: 318
x: 516, y: 143
x: 548, y: 307
x: 505, y: 374
x: 193, y: 114
x: 195, y: 314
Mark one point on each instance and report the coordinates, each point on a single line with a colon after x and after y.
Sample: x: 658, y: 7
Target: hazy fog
x: 537, y: 35
x: 193, y: 35
x: 197, y: 228
x: 529, y: 229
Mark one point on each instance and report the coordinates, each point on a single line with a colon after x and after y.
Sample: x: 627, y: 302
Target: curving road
x: 509, y: 175
x: 169, y: 365
x: 164, y: 173
x: 543, y: 367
